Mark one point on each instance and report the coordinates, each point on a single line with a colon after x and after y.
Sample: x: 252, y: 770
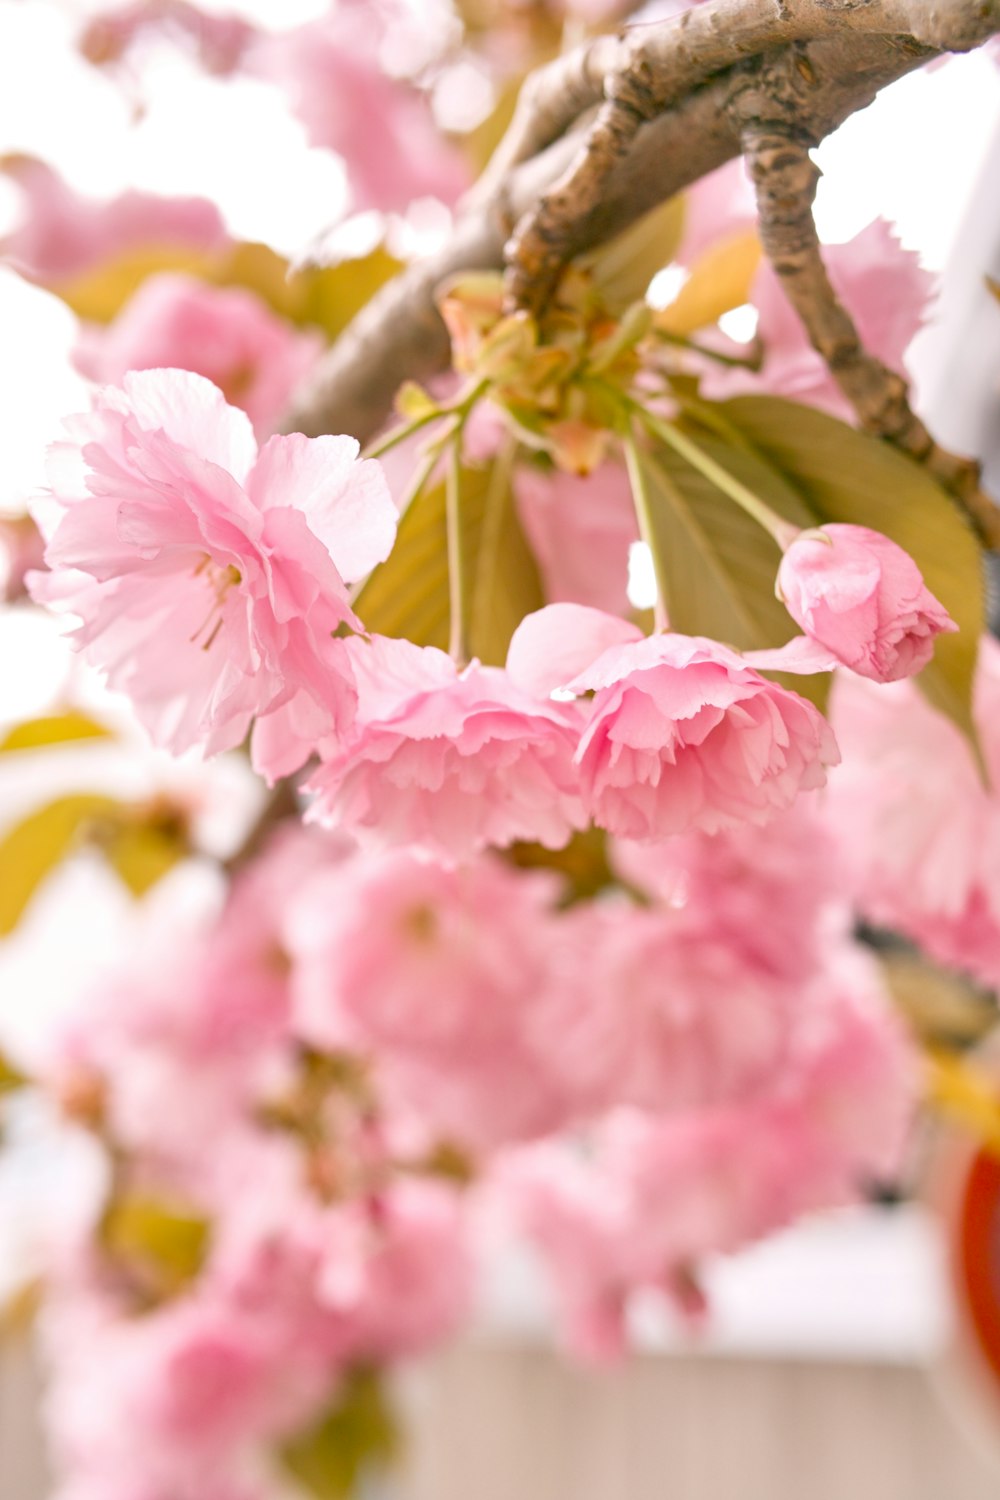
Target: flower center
x: 220, y: 580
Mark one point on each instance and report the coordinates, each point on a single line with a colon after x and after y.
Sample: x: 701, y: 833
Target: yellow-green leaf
x: 163, y: 1243
x: 408, y: 594
x: 98, y: 295
x: 327, y: 297
x: 718, y: 563
x: 10, y: 1077
x: 141, y: 853
x: 33, y: 847
x: 719, y: 281
x: 623, y: 267
x: 358, y: 1434
x: 55, y: 729
x: 848, y: 476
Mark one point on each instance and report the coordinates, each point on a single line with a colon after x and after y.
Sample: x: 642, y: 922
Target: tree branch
x: 400, y: 334
x: 766, y: 111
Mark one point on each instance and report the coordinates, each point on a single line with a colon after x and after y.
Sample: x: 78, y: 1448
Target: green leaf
x: 55, y: 729
x: 848, y: 476
x: 32, y: 848
x: 357, y: 1434
x: 719, y: 565
x: 623, y: 267
x: 164, y: 1244
x: 408, y: 594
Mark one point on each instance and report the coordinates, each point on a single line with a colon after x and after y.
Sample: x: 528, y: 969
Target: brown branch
x: 400, y: 334
x: 767, y: 109
x: 649, y: 69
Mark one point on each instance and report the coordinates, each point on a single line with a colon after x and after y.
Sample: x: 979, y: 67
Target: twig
x: 767, y: 111
x: 400, y: 333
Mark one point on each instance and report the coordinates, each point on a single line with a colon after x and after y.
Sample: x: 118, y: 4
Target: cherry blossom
x: 210, y: 577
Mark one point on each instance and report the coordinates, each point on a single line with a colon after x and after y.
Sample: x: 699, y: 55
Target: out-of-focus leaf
x: 359, y: 1433
x: 848, y: 476
x: 98, y: 295
x: 942, y: 1007
x: 33, y: 847
x: 142, y: 853
x: 623, y: 268
x: 483, y: 139
x: 719, y: 281
x: 10, y: 1078
x: 326, y: 297
x: 408, y: 594
x: 506, y: 584
x: 55, y: 729
x: 583, y: 862
x: 994, y: 287
x: 160, y: 1243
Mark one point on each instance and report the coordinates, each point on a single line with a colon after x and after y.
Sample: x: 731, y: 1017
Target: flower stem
x: 776, y: 526
x: 457, y: 645
x: 644, y: 516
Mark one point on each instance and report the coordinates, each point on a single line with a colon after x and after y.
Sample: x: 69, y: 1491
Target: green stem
x: 644, y: 516
x: 776, y: 526
x: 457, y: 645
x: 730, y: 361
x: 400, y: 434
x: 460, y: 407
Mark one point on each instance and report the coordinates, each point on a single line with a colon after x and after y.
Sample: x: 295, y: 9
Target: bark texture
x: 609, y: 131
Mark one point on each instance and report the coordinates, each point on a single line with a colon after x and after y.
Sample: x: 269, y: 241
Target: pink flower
x: 681, y: 732
x: 225, y: 333
x: 862, y: 597
x: 653, y: 1196
x: 63, y: 234
x: 381, y: 126
x: 774, y: 895
x: 437, y: 974
x: 921, y: 830
x: 449, y: 761
x: 209, y: 577
x: 883, y: 287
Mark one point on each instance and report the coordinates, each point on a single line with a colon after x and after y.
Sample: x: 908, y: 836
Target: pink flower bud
x: 864, y: 599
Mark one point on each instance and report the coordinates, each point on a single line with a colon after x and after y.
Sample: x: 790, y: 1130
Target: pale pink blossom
x: 921, y: 829
x: 63, y: 234
x: 209, y: 577
x: 448, y: 760
x: 438, y: 974
x: 682, y: 732
x: 227, y: 334
x: 883, y: 287
x: 381, y: 126
x: 775, y: 895
x: 653, y: 1197
x: 861, y: 596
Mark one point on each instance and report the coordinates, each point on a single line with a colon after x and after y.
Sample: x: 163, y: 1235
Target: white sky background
x: 914, y: 157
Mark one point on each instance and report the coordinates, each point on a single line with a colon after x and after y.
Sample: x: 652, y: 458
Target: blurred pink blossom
x: 883, y: 287
x: 64, y: 235
x: 224, y: 333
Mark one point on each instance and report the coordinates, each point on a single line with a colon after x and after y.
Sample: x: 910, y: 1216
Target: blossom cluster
x: 551, y: 935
